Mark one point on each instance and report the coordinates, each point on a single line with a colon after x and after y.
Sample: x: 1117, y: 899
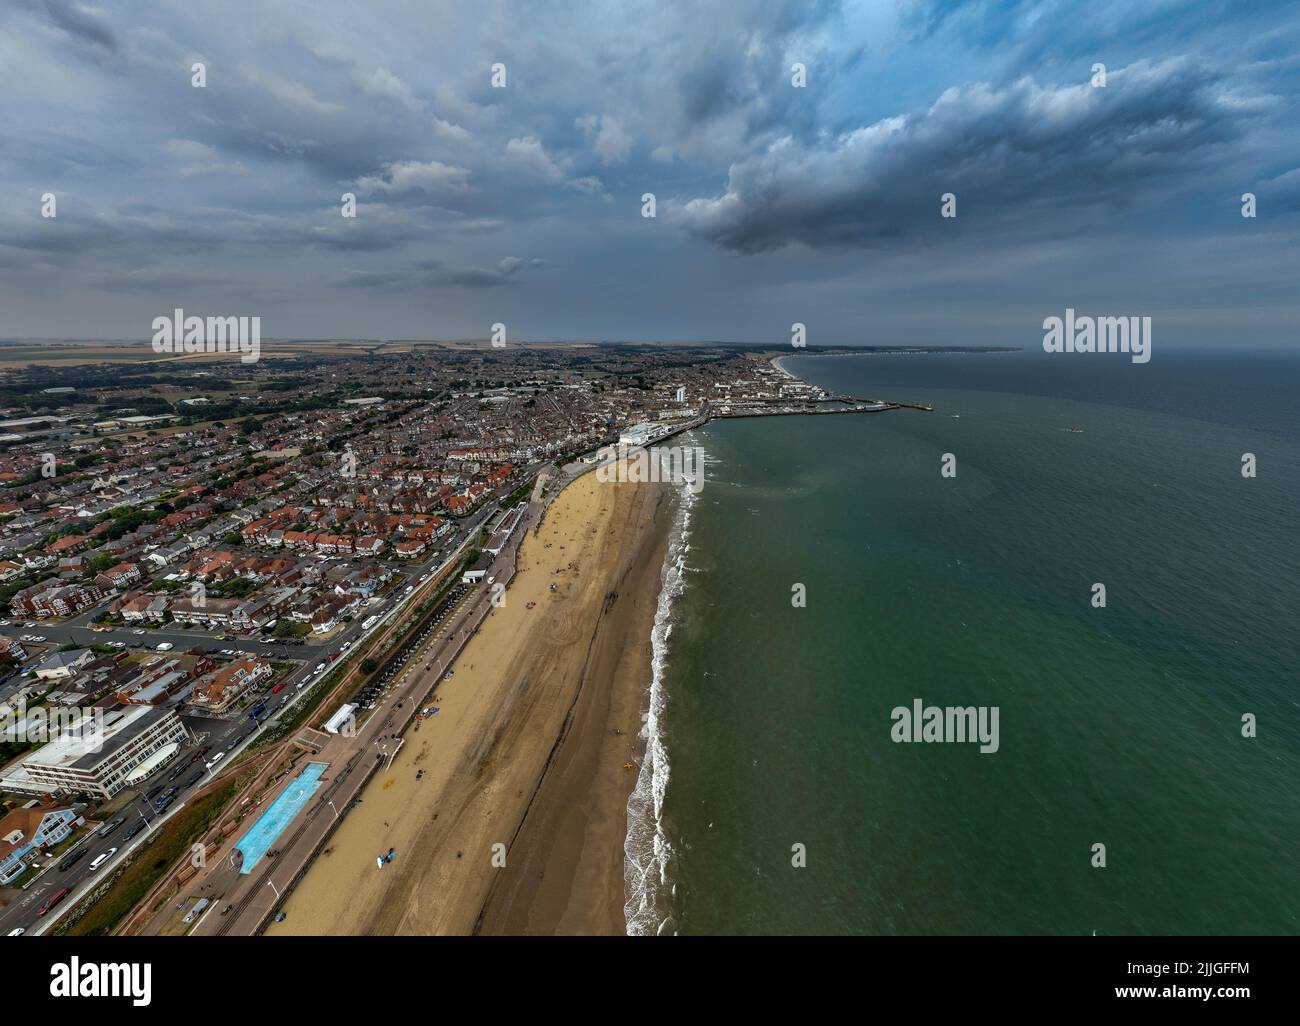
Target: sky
x: 522, y: 203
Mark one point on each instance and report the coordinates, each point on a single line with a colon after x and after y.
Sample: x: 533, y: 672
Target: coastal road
x: 229, y: 735
x: 352, y: 760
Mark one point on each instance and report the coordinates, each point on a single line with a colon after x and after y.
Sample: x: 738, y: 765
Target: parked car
x: 133, y: 829
x: 110, y: 826
x: 53, y: 900
x: 103, y: 857
x: 137, y: 632
x: 71, y: 859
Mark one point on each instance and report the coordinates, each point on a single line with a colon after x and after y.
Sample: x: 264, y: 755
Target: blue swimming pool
x: 271, y: 823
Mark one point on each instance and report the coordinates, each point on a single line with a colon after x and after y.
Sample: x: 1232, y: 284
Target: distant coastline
x: 777, y: 361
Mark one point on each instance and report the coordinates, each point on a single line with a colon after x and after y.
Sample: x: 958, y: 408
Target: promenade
x: 350, y: 763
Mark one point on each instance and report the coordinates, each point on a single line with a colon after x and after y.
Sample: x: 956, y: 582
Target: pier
x: 815, y: 407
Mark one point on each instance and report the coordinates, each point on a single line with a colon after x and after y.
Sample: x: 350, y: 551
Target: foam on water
x: 647, y: 852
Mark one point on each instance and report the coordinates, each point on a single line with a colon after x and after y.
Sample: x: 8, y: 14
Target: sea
x: 829, y: 574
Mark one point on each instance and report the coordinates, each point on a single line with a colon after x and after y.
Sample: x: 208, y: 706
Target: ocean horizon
x: 774, y: 798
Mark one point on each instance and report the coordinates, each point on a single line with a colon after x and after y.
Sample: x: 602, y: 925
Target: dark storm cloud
x: 765, y: 191
x: 1006, y: 154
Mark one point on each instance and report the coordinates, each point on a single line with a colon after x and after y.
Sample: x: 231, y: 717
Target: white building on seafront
x: 99, y: 760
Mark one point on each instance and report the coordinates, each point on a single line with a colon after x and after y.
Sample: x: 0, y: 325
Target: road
x: 76, y: 629
x: 352, y: 759
x: 229, y: 735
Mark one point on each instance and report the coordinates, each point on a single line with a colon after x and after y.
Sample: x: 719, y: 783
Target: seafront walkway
x: 351, y: 762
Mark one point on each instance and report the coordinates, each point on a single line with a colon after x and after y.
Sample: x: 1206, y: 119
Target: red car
x: 53, y: 900
x: 278, y: 688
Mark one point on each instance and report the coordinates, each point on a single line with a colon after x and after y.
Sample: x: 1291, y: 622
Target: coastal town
x: 207, y: 564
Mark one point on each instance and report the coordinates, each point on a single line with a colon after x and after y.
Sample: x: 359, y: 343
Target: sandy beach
x: 527, y: 760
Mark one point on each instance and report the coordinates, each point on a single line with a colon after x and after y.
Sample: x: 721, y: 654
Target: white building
x: 95, y: 761
x: 638, y: 434
x: 341, y: 717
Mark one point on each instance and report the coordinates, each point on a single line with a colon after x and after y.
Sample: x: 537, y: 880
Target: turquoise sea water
x: 1119, y: 726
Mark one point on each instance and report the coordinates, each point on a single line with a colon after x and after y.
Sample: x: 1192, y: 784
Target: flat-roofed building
x: 98, y: 761
x: 638, y: 434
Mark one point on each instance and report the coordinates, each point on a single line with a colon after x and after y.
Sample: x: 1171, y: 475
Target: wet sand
x: 525, y: 763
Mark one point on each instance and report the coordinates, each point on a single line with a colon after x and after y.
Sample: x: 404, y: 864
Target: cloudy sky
x: 775, y: 204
